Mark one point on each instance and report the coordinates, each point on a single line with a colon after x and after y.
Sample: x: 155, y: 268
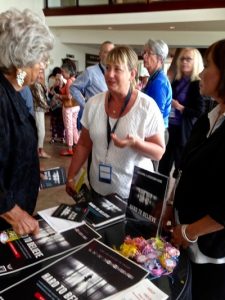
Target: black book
x: 94, y: 271
x: 103, y: 211
x: 147, y: 194
x: 53, y: 177
x: 78, y: 211
x: 70, y: 212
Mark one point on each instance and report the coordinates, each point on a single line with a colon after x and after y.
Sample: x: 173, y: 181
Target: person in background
x: 25, y: 42
x: 122, y: 127
x: 142, y: 79
x: 57, y: 125
x: 28, y: 98
x: 92, y: 80
x: 70, y: 107
x: 187, y: 107
x: 39, y: 93
x: 52, y: 76
x: 172, y: 70
x: 198, y: 200
x: 158, y: 86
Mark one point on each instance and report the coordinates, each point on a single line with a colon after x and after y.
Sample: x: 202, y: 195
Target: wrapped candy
x: 167, y: 262
x: 156, y: 255
x: 128, y: 250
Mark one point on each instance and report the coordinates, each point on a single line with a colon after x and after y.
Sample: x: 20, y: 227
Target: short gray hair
x: 159, y: 47
x: 25, y: 39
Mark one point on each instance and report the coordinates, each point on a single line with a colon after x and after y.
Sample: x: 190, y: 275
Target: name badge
x: 105, y: 173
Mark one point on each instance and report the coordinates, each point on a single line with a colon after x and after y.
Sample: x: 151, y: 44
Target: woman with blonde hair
x: 187, y: 107
x: 196, y: 67
x: 122, y: 127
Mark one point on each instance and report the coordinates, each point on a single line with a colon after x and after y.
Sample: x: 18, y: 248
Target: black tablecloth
x: 176, y: 285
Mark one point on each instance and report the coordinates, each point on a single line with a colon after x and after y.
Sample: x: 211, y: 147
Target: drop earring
x: 20, y: 76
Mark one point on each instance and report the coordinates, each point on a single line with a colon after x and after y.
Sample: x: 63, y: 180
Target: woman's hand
x: 70, y: 188
x: 129, y: 141
x: 42, y: 174
x: 21, y: 222
x: 177, y: 237
x: 176, y: 104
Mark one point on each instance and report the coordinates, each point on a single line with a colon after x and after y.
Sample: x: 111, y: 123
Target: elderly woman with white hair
x: 158, y: 86
x: 25, y: 42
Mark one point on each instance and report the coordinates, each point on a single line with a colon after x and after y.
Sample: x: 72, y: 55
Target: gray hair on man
x: 159, y: 47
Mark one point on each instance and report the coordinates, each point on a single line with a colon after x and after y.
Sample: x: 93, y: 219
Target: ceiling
x: 179, y: 28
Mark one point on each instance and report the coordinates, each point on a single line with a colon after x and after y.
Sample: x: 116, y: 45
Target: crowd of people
x: 105, y: 118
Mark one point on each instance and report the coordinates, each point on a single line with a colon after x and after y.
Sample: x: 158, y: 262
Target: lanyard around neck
x: 109, y: 130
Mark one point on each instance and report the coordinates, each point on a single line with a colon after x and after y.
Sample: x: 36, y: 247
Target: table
x: 176, y: 285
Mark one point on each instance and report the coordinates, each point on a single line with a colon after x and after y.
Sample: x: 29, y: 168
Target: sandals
x: 44, y: 155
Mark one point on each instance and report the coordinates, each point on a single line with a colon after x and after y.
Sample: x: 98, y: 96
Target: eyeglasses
x: 147, y: 52
x: 187, y: 59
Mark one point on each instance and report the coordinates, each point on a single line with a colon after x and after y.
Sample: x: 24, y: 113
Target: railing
x: 79, y: 7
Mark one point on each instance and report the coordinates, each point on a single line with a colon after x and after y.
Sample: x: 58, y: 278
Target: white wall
x: 92, y: 30
x: 60, y: 50
x: 36, y: 5
x: 75, y: 34
x: 79, y: 29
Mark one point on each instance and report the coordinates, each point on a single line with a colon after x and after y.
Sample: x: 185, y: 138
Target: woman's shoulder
x: 146, y: 102
x: 144, y: 98
x: 194, y: 88
x: 94, y: 108
x: 96, y: 100
x: 97, y: 97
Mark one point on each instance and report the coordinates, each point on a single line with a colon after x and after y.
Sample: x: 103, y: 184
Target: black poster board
x: 147, y: 194
x: 95, y: 271
x: 21, y: 252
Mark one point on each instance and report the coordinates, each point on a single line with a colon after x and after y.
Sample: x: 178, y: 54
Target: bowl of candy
x: 156, y: 255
